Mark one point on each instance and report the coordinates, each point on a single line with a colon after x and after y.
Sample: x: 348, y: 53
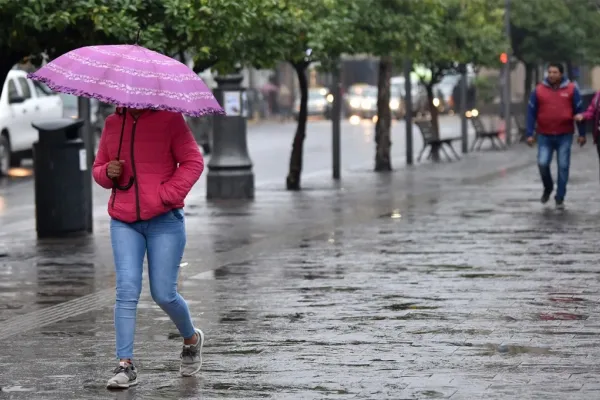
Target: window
x: 25, y: 88
x: 41, y: 90
x: 12, y: 90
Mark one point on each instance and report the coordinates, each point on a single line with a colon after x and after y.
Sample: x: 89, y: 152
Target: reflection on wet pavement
x: 476, y: 293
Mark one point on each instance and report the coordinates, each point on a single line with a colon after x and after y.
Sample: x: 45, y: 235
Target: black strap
x: 122, y: 131
x: 115, y: 181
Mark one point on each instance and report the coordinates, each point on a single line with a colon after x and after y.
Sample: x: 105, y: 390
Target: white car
x: 22, y: 103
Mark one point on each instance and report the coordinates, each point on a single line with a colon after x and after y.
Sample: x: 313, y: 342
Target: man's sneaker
x: 560, y: 204
x: 191, y: 356
x: 125, y: 377
x: 546, y: 196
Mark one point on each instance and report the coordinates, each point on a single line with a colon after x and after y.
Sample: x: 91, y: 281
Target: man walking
x: 553, y: 105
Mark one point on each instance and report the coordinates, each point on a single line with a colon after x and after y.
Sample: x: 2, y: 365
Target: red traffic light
x: 503, y: 58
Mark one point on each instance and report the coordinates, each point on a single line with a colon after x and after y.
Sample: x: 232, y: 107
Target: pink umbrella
x: 129, y: 76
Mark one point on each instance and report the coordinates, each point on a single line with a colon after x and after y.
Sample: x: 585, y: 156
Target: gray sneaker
x: 191, y: 356
x: 125, y: 377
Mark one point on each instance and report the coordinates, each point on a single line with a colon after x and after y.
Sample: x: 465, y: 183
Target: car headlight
x: 355, y: 103
x: 475, y: 112
x: 436, y: 102
x: 365, y: 104
x: 330, y: 98
x: 394, y: 104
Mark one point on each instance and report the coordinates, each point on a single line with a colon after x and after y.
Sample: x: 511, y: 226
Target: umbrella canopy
x: 129, y: 76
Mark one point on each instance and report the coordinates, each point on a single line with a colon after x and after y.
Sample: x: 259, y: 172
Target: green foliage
x: 461, y: 31
x: 396, y: 28
x: 563, y: 30
x: 300, y: 31
x: 487, y: 89
x: 52, y: 26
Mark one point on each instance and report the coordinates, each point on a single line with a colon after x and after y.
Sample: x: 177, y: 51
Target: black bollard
x: 230, y: 173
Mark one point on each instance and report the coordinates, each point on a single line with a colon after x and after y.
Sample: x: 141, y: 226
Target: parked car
x: 443, y: 92
x: 397, y: 104
x: 368, y: 104
x: 353, y: 98
x: 23, y: 102
x: 317, y: 103
x: 419, y: 94
x: 71, y: 110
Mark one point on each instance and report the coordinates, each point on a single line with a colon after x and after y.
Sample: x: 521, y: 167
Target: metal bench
x: 434, y: 144
x: 481, y: 134
x: 521, y: 126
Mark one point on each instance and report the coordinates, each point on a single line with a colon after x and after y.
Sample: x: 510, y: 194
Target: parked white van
x: 23, y: 102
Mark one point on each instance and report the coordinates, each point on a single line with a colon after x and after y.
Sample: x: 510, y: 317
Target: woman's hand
x: 579, y: 117
x: 114, y: 169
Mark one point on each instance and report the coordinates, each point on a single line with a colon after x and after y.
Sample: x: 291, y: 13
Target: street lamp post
x: 464, y: 130
x: 336, y: 122
x: 230, y: 173
x: 507, y: 94
x: 408, y: 110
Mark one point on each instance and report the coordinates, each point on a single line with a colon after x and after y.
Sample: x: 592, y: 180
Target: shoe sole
x: 127, y: 385
x: 201, y: 334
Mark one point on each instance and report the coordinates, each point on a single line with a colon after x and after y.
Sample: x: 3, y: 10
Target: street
x: 269, y: 146
x: 430, y: 282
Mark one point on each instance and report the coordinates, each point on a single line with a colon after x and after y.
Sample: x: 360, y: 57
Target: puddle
x: 567, y: 299
x: 241, y: 351
x: 447, y: 267
x: 409, y: 306
x: 489, y: 276
x: 511, y: 350
x: 449, y: 331
x: 328, y: 288
x: 432, y: 394
x: 421, y: 316
x: 563, y: 316
x: 12, y: 389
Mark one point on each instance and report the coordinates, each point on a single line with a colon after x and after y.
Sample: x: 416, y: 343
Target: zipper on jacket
x: 135, y: 182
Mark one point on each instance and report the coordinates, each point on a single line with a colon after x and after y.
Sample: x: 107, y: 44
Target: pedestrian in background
x: 592, y: 113
x: 553, y: 105
x: 149, y: 184
x: 284, y: 98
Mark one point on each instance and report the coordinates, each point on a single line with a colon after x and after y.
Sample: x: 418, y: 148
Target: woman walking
x: 592, y: 113
x: 150, y: 160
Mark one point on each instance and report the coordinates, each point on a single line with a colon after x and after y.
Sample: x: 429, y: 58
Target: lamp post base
x: 230, y: 185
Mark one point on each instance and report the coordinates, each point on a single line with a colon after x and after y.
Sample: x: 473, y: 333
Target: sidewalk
x: 427, y: 283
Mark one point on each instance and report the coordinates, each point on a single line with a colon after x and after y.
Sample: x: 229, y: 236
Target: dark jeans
x: 547, y: 145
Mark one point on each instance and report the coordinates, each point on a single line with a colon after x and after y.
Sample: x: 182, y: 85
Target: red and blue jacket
x: 552, y: 109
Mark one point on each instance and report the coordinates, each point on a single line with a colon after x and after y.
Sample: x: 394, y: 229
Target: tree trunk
x: 435, y: 123
x: 570, y: 70
x: 536, y: 74
x: 293, y: 178
x: 529, y: 70
x: 383, y: 126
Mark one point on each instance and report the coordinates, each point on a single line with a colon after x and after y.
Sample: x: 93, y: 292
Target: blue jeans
x: 547, y: 145
x: 163, y: 237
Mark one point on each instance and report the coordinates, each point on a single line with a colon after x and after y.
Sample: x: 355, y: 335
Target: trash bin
x: 63, y: 187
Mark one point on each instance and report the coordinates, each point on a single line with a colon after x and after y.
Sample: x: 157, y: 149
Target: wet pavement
x: 431, y: 282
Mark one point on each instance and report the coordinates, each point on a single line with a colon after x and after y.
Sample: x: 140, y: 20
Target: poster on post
x: 233, y: 106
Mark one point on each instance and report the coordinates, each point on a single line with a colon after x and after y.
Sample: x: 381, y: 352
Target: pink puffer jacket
x: 153, y: 144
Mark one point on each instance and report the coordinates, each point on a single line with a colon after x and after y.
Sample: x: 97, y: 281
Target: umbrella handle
x: 125, y: 187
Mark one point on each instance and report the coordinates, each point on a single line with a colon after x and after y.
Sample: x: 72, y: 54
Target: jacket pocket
x: 160, y: 196
x: 177, y: 213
